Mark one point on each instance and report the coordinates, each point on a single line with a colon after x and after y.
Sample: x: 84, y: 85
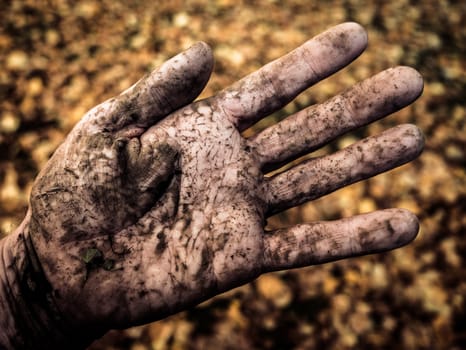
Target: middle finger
x: 315, y: 126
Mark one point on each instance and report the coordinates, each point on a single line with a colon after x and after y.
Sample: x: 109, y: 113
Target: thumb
x: 173, y: 85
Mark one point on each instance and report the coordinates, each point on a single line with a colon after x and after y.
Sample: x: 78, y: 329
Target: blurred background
x: 59, y: 58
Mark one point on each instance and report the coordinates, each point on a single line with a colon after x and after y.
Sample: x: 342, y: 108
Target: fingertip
x: 358, y: 33
x: 384, y: 230
x: 413, y: 139
x: 403, y: 225
x: 412, y: 80
x: 413, y: 75
x: 204, y: 52
x: 350, y: 37
x: 198, y: 63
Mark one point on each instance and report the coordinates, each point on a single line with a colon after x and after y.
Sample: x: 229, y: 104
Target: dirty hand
x: 153, y: 204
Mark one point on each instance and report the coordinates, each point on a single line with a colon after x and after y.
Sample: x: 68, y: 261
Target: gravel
x: 59, y: 58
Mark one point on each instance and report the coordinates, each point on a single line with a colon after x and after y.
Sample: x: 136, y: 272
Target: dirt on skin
x: 60, y: 59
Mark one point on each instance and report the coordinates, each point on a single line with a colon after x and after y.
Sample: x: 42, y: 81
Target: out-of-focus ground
x: 59, y: 58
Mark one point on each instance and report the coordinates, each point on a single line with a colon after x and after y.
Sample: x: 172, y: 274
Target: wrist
x: 29, y: 317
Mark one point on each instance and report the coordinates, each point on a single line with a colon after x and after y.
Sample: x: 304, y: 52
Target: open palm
x: 154, y: 203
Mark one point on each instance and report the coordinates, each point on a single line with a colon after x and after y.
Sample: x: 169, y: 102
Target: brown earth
x: 59, y: 58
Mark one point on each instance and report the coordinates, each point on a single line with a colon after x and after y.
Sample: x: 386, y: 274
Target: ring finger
x: 320, y: 176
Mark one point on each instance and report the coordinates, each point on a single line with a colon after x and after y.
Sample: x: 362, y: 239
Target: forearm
x: 29, y: 318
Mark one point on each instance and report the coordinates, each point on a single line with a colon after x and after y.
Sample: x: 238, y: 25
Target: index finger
x: 277, y: 83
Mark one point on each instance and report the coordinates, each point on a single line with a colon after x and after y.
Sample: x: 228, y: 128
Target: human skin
x: 155, y: 203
